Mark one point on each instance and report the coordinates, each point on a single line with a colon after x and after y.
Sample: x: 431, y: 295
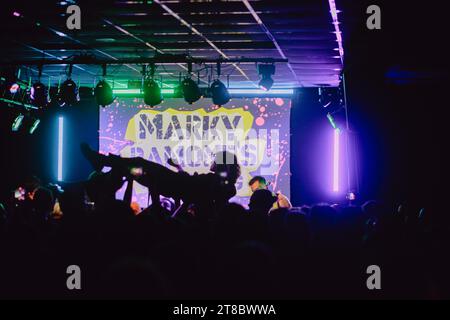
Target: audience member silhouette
x: 213, y: 248
x: 208, y: 192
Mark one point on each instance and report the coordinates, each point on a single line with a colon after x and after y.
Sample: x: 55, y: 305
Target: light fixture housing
x: 266, y: 83
x: 103, y: 93
x: 219, y: 93
x: 191, y: 91
x: 152, y: 93
x: 39, y: 95
x: 68, y: 93
x: 266, y: 71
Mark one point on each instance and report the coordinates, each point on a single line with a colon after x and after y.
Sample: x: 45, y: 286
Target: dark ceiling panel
x: 117, y: 29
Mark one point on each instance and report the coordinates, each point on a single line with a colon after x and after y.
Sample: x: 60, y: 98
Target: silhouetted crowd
x: 319, y: 251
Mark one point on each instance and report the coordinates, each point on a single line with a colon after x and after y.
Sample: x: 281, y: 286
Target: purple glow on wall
x: 336, y: 156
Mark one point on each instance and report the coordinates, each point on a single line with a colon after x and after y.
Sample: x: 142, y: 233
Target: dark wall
x: 24, y: 154
x: 397, y: 84
x: 398, y: 152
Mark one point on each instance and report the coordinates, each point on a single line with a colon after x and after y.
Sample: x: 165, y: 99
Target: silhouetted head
x: 226, y: 165
x: 262, y: 200
x: 43, y: 200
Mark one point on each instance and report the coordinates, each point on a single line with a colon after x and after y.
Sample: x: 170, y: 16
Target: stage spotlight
x: 39, y: 95
x: 219, y: 93
x: 152, y: 93
x: 17, y: 123
x: 266, y: 83
x: 266, y: 71
x: 191, y: 91
x: 332, y: 121
x: 103, y: 93
x: 68, y: 93
x: 34, y: 126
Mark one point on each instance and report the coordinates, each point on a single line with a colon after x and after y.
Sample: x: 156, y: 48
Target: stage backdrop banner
x: 257, y: 130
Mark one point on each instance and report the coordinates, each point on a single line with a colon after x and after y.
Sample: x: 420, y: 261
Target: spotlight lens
x: 14, y: 88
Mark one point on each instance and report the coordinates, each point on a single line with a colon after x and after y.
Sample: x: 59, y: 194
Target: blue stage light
x: 60, y: 147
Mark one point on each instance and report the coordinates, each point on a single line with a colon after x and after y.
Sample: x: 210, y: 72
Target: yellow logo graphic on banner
x: 193, y: 137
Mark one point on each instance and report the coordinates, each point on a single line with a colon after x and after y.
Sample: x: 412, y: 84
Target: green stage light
x: 235, y: 91
x: 17, y: 103
x: 34, y: 126
x: 138, y: 92
x: 103, y: 93
x: 332, y: 121
x: 152, y: 93
x: 17, y: 123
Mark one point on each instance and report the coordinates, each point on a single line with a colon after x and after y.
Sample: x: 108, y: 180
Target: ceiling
x: 301, y: 31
